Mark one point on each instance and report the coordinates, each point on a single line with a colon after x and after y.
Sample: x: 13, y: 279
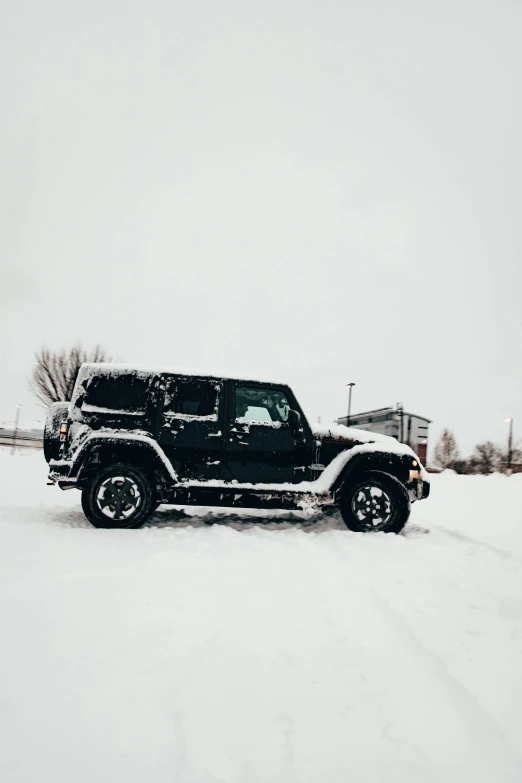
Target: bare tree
x: 516, y: 457
x: 462, y: 466
x: 487, y: 458
x: 446, y: 451
x: 54, y: 374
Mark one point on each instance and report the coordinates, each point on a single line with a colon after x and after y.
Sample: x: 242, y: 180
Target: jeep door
x: 191, y: 426
x: 260, y: 446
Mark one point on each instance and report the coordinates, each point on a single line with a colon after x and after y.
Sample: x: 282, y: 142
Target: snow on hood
x: 335, y: 430
x: 370, y: 441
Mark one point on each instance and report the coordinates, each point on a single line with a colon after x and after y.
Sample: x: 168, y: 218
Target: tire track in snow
x: 442, y: 731
x: 463, y: 538
x: 495, y: 756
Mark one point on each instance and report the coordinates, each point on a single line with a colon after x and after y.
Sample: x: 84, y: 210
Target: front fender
x: 395, y: 459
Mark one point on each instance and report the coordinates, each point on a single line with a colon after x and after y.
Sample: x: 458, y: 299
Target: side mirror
x: 294, y: 420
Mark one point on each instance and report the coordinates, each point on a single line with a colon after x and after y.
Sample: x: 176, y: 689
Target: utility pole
x: 15, y: 434
x: 350, y: 386
x: 400, y: 411
x: 510, y: 445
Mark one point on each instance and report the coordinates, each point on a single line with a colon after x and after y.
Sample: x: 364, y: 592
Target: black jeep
x: 132, y: 438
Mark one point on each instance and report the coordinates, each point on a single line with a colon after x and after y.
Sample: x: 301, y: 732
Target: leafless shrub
x: 446, y: 451
x: 486, y: 458
x: 54, y: 373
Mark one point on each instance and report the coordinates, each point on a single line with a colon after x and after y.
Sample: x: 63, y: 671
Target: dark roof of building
x: 377, y: 411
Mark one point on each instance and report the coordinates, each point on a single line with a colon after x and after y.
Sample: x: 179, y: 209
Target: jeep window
x: 191, y: 398
x: 121, y: 393
x: 263, y: 405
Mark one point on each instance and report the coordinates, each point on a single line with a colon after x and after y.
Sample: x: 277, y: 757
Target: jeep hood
x: 363, y: 440
x: 339, y: 432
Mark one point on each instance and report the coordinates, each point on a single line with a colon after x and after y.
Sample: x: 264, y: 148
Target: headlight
x: 414, y: 475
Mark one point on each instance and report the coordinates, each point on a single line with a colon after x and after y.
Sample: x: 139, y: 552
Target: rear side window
x: 126, y: 393
x: 192, y: 398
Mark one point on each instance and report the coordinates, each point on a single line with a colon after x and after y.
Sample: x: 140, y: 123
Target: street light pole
x: 15, y: 434
x: 400, y: 413
x: 510, y: 445
x: 350, y: 385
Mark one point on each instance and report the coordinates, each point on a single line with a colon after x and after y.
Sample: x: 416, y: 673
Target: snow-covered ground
x: 260, y: 653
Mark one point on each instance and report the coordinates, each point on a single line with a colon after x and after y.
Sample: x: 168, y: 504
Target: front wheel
x: 119, y: 496
x: 375, y: 501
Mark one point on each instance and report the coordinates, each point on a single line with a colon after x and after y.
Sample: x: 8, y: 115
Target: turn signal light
x: 63, y: 430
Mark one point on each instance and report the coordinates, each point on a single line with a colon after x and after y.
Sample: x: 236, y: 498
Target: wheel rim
x: 372, y: 507
x: 118, y: 497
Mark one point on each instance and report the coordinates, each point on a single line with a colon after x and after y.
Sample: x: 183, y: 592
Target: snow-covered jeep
x: 132, y: 438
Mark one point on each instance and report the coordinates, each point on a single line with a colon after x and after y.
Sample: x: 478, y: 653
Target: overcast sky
x: 320, y: 191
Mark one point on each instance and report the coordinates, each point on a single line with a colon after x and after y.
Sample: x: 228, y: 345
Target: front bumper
x: 418, y: 489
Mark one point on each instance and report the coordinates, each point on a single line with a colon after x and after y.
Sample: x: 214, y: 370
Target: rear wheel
x: 119, y: 496
x: 375, y: 501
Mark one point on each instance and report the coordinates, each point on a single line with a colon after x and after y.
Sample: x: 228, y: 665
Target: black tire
x: 130, y: 489
x: 375, y: 501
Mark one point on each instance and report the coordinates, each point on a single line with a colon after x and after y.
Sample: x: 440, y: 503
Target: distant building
x: 396, y: 422
x: 32, y: 438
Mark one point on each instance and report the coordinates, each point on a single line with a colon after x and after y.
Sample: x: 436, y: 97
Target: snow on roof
x: 124, y: 367
x: 388, y: 409
x: 416, y: 416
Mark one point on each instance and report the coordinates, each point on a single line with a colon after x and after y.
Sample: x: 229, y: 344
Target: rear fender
x: 139, y: 450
